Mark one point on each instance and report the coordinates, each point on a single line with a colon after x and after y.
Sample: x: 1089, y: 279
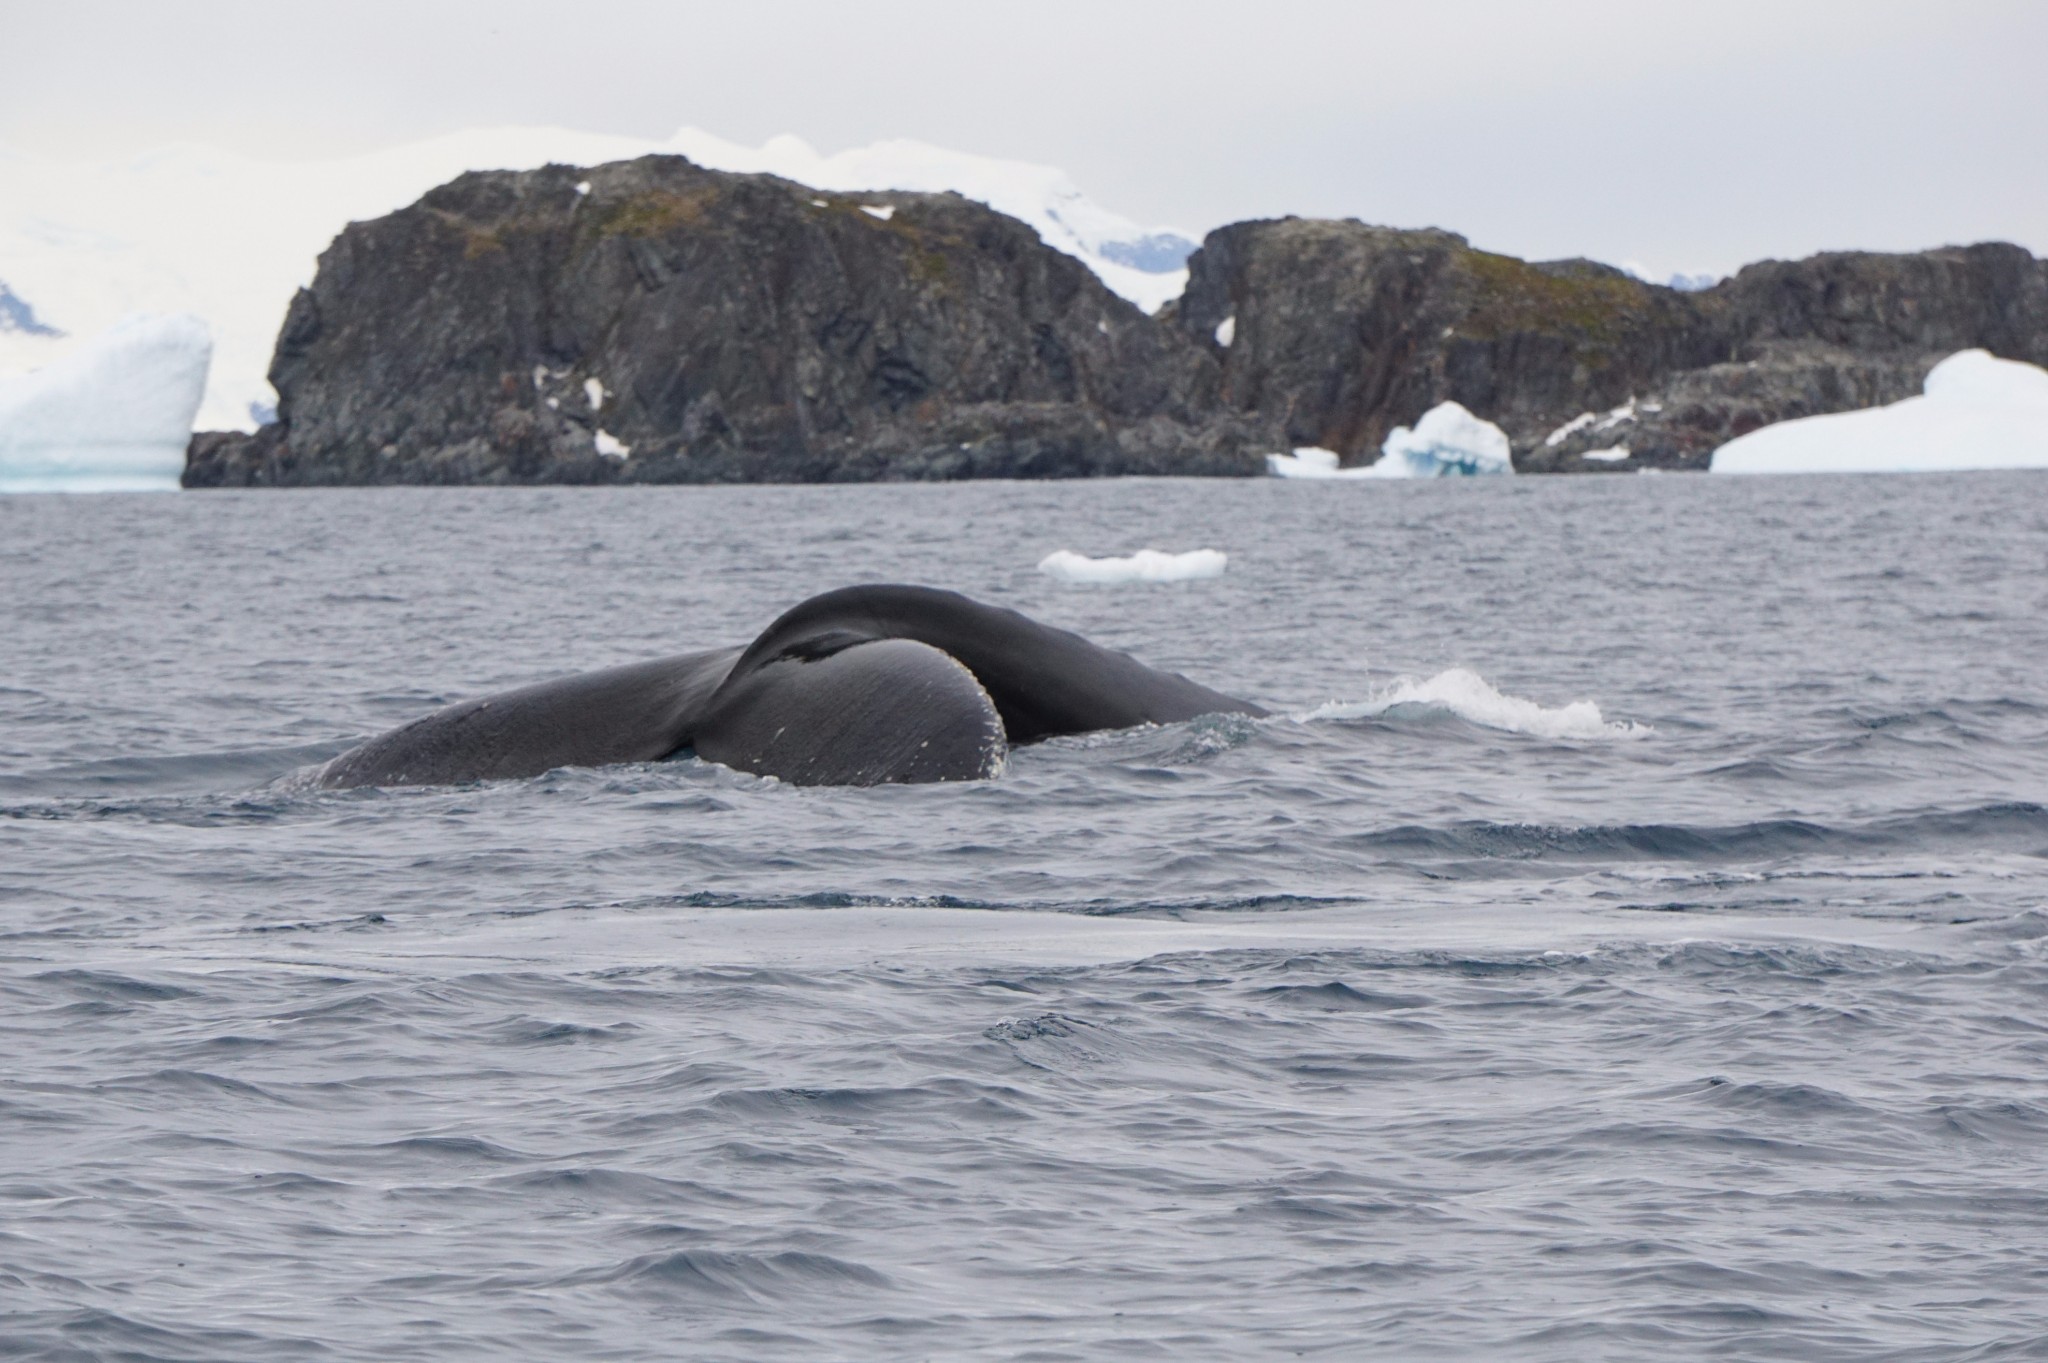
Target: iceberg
x: 195, y: 229
x: 113, y: 414
x: 1147, y: 565
x: 1448, y: 442
x: 1975, y: 412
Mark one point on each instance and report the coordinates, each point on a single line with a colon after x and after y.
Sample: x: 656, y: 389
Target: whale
x: 862, y: 686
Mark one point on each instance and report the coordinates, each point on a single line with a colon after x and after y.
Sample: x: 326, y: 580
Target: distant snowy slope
x: 26, y: 340
x: 18, y: 317
x: 195, y: 229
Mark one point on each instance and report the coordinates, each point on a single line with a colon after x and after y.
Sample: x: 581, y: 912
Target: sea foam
x: 1472, y: 698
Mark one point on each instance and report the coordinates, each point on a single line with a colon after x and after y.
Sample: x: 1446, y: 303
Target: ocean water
x: 1629, y: 938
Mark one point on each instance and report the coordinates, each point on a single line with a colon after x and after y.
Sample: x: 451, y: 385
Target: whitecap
x: 1472, y: 698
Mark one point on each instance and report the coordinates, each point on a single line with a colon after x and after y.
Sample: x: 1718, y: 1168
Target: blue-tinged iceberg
x: 1975, y: 412
x: 1448, y: 442
x: 111, y: 414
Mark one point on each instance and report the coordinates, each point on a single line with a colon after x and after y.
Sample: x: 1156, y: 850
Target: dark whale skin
x: 861, y: 686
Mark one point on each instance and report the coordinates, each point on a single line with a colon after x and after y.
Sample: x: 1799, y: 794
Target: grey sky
x: 1678, y: 134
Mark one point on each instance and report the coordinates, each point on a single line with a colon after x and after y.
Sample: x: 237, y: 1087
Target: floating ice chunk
x: 1308, y: 461
x: 1469, y: 696
x: 113, y: 414
x: 594, y: 391
x: 1448, y: 442
x: 1975, y: 412
x: 610, y: 446
x: 1613, y: 454
x: 882, y: 211
x: 1147, y: 565
x: 1226, y: 331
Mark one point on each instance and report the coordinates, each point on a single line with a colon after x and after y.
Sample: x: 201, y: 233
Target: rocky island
x: 653, y: 321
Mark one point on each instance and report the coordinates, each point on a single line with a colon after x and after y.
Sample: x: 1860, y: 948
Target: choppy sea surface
x: 1629, y: 938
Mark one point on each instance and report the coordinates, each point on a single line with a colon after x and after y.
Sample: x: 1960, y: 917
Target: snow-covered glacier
x: 230, y: 238
x: 1448, y: 442
x: 112, y: 414
x: 1975, y: 412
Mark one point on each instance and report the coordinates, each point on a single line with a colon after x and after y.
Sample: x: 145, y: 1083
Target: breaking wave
x: 1472, y: 698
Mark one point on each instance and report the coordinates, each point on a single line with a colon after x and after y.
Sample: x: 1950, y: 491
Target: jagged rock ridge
x: 1340, y: 332
x: 652, y: 321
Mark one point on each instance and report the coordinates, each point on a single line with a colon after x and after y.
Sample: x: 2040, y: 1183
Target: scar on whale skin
x: 856, y: 687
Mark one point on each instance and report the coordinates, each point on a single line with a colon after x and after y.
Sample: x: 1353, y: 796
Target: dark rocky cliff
x: 652, y: 321
x: 1340, y: 332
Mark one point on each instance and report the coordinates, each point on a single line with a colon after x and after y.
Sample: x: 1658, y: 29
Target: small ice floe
x: 1469, y: 696
x: 882, y: 211
x: 610, y: 446
x: 1613, y: 454
x: 1975, y: 412
x: 594, y: 391
x: 1447, y: 442
x: 1226, y: 331
x: 1147, y: 565
x: 1309, y: 461
x: 113, y: 413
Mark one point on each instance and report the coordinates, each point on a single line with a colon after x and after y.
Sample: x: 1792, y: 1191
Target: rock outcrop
x: 652, y: 321
x: 1340, y: 332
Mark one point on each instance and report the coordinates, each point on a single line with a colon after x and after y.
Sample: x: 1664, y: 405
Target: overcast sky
x: 1676, y: 134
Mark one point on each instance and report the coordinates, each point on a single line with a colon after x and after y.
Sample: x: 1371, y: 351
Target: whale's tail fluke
x: 861, y: 686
